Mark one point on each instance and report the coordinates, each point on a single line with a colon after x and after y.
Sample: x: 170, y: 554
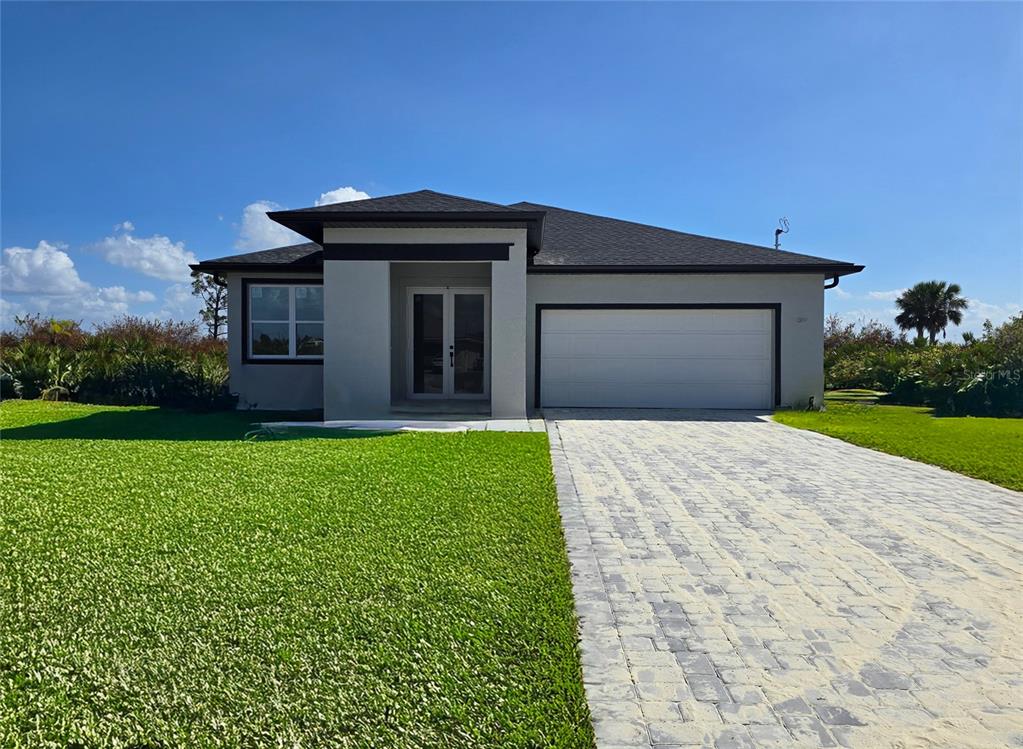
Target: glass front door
x: 448, y: 343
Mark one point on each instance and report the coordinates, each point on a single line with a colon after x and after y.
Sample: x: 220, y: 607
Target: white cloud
x: 864, y: 315
x: 124, y: 226
x: 887, y: 296
x: 45, y: 281
x: 47, y: 269
x: 341, y: 195
x: 90, y: 306
x: 842, y: 293
x: 156, y: 256
x: 120, y: 294
x: 8, y: 311
x: 978, y: 311
x: 257, y: 232
x: 179, y: 303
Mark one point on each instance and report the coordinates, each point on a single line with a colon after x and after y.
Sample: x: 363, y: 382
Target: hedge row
x: 981, y: 376
x: 130, y: 361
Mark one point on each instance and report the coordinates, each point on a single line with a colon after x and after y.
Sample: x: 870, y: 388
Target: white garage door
x: 656, y: 358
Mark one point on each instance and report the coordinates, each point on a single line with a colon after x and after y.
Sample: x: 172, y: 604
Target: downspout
x: 833, y: 284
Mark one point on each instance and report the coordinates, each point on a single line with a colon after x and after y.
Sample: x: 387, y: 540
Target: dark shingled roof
x: 574, y: 238
x: 305, y: 255
x: 569, y: 240
x: 420, y: 201
x: 426, y: 206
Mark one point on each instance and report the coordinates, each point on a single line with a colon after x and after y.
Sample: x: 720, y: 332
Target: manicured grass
x: 990, y: 449
x: 165, y: 584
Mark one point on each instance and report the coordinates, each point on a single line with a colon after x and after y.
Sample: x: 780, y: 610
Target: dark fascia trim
x: 208, y: 267
x: 831, y: 271
x: 246, y: 282
x: 215, y: 273
x: 538, y: 332
x: 424, y: 251
x: 310, y: 223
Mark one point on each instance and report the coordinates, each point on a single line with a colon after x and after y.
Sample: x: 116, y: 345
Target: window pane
x: 309, y: 339
x: 428, y: 343
x: 269, y: 303
x: 308, y: 303
x: 469, y: 333
x: 270, y: 338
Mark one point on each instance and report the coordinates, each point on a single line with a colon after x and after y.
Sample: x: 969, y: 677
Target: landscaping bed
x: 167, y: 584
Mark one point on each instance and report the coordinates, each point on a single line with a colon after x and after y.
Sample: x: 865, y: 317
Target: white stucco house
x: 426, y: 301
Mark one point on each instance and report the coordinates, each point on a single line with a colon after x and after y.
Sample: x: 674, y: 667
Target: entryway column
x: 508, y: 333
x: 356, y: 339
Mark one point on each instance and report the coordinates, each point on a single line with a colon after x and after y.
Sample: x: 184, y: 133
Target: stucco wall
x: 284, y: 387
x: 802, y: 312
x: 356, y: 339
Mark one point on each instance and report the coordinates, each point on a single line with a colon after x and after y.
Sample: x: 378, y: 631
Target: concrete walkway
x: 414, y: 424
x: 744, y: 584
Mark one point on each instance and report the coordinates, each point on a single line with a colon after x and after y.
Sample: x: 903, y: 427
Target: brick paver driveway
x: 741, y: 583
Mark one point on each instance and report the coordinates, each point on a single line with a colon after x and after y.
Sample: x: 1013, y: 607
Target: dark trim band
x: 316, y: 266
x: 293, y: 281
x: 538, y: 333
x: 424, y: 251
x: 310, y: 223
x: 211, y: 267
x: 829, y: 270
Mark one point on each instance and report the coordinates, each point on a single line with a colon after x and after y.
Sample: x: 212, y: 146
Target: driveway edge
x: 610, y: 691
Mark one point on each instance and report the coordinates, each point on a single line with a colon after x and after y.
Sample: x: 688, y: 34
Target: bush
x: 870, y: 357
x: 997, y: 385
x: 981, y: 376
x: 130, y: 361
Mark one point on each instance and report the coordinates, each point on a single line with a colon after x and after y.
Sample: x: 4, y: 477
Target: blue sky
x: 138, y: 136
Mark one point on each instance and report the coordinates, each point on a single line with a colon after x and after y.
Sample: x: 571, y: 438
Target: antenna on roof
x: 783, y: 228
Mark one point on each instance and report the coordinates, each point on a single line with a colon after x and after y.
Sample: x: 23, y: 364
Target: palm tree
x: 930, y: 306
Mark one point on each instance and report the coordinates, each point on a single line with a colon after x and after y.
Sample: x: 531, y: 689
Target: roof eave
x: 213, y: 267
x: 310, y: 223
x: 831, y: 270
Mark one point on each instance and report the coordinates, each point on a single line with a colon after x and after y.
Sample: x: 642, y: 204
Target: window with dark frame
x: 285, y: 321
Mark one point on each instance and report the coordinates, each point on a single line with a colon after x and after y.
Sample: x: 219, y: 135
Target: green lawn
x: 166, y: 584
x: 990, y: 449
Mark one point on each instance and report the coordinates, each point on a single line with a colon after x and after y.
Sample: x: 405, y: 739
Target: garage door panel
x: 669, y: 320
x: 654, y: 370
x: 655, y: 396
x: 670, y: 358
x: 644, y: 343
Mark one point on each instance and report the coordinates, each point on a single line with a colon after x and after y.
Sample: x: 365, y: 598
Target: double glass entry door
x: 449, y: 331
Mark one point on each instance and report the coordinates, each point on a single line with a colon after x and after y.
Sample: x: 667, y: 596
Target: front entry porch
x: 440, y: 408
x: 405, y: 338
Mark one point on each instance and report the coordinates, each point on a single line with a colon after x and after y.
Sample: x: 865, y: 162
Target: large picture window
x: 285, y: 321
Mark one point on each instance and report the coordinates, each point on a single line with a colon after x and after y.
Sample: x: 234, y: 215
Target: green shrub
x: 869, y: 357
x: 129, y: 361
x: 981, y: 376
x: 997, y: 385
x: 27, y: 368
